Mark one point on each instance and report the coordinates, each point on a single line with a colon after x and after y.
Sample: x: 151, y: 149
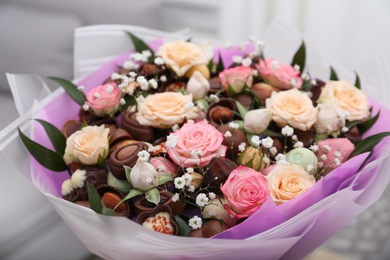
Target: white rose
x: 329, y: 119
x: 257, y: 120
x: 198, y: 85
x: 144, y: 176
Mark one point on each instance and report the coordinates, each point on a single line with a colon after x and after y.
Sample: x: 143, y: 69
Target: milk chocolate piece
x: 218, y: 170
x: 143, y: 205
x: 135, y: 129
x: 232, y: 142
x: 70, y: 127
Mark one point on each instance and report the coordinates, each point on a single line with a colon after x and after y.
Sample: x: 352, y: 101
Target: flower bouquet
x: 183, y: 150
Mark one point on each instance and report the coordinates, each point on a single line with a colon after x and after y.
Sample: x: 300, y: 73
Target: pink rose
x: 197, y: 143
x: 334, y: 151
x: 279, y: 75
x: 235, y: 79
x: 245, y: 191
x: 104, y: 100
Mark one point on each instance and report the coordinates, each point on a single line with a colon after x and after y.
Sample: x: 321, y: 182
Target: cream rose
x: 143, y: 176
x: 163, y: 110
x: 329, y: 119
x: 198, y: 85
x: 347, y: 98
x: 180, y: 55
x: 288, y: 181
x: 292, y: 107
x: 88, y: 146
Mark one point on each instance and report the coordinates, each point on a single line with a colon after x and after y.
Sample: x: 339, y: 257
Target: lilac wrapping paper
x: 288, y: 231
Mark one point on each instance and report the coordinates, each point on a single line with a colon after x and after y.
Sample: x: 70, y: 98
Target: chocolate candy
x: 135, y: 129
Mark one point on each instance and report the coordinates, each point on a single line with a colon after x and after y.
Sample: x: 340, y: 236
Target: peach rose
x: 163, y: 110
x: 292, y: 107
x: 180, y: 55
x: 347, y: 98
x: 245, y: 191
x: 88, y: 146
x: 278, y: 74
x: 235, y: 79
x: 104, y: 100
x: 197, y: 143
x: 288, y: 181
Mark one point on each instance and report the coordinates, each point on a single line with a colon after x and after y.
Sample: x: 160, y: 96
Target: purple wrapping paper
x: 304, y: 221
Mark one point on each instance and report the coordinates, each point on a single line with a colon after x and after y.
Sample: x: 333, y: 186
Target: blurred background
x: 37, y: 37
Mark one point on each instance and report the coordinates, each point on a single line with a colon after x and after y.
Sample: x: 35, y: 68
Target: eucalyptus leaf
x: 184, y: 228
x: 357, y: 81
x: 368, y: 144
x: 71, y: 89
x: 164, y: 178
x: 95, y: 201
x: 108, y: 212
x: 300, y: 57
x: 153, y: 196
x: 140, y: 45
x: 333, y: 74
x: 47, y: 158
x: 56, y: 137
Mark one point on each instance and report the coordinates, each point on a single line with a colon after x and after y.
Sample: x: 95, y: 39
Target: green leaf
x: 241, y: 109
x: 130, y: 101
x: 210, y: 65
x: 71, y: 89
x: 184, y: 228
x: 269, y: 132
x: 320, y: 137
x: 132, y: 193
x: 47, y: 158
x: 333, y: 74
x: 220, y: 66
x: 306, y: 85
x: 140, y: 45
x: 357, y: 81
x: 56, y: 137
x: 95, y: 201
x: 164, y: 178
x: 127, y: 172
x: 367, y: 144
x: 153, y: 196
x: 300, y: 57
x: 363, y: 127
x: 107, y: 211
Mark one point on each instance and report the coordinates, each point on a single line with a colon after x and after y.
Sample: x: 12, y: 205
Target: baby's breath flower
x: 298, y: 144
x: 212, y: 213
x: 189, y: 105
x: 175, y: 197
x: 146, y: 53
x: 282, y: 162
x: 237, y: 59
x: 336, y: 161
x: 163, y: 78
x: 143, y: 155
x: 196, y: 153
x: 294, y: 138
x: 202, y: 200
x: 326, y: 148
x: 266, y: 160
x: 337, y: 154
x: 275, y: 65
x: 80, y: 88
x: 159, y: 61
x: 122, y: 101
x: 280, y: 157
x: 273, y: 150
x: 153, y: 83
x: 190, y: 170
x: 133, y: 74
x: 175, y: 127
x: 161, y: 168
x: 212, y: 195
x: 314, y: 148
x: 255, y: 73
x: 323, y: 157
x: 180, y: 183
x: 255, y: 140
x: 191, y: 188
x: 188, y: 178
x: 296, y: 67
x: 241, y: 147
x: 344, y: 129
x: 267, y: 142
x: 309, y: 168
x: 195, y: 222
x: 171, y: 141
x: 228, y: 134
x: 85, y: 107
x: 233, y: 125
x: 287, y: 131
x: 246, y: 62
x: 96, y: 95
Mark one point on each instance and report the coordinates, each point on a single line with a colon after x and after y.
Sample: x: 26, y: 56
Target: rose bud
x: 235, y: 79
x: 304, y: 157
x: 328, y: 119
x: 257, y: 120
x: 198, y: 85
x: 215, y: 209
x: 143, y: 176
x: 217, y: 173
x: 253, y: 158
